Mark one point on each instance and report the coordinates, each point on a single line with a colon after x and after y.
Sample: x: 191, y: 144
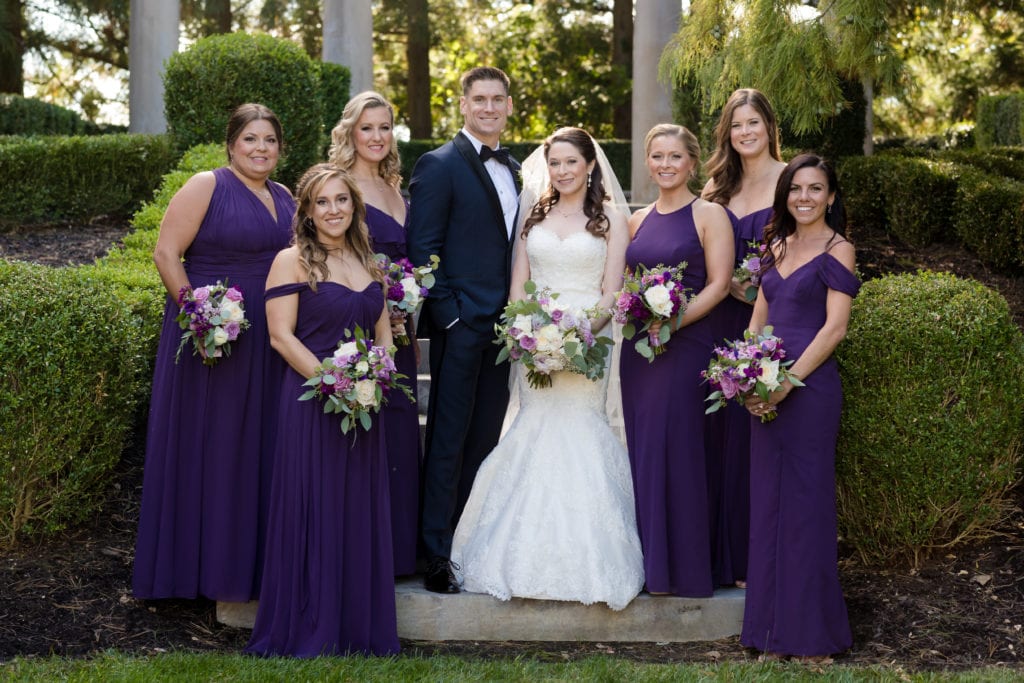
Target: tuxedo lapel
x: 472, y: 158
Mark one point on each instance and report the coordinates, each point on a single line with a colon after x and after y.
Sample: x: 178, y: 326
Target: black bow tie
x: 500, y: 155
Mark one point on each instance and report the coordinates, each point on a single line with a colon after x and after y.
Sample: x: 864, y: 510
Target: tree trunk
x: 622, y: 56
x: 417, y: 55
x: 869, y: 115
x: 216, y: 17
x: 12, y: 30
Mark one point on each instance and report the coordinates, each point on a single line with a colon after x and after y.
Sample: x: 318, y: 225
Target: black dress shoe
x: 439, y: 577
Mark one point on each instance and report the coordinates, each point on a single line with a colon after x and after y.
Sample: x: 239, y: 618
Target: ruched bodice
x: 572, y: 266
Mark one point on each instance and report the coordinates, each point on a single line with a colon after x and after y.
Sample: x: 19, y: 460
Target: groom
x: 463, y: 205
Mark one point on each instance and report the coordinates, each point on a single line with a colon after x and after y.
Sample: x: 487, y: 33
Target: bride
x: 551, y: 513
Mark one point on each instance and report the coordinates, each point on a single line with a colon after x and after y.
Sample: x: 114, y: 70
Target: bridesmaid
x: 663, y: 402
x: 210, y: 439
x: 364, y: 145
x: 743, y: 172
x: 328, y: 582
x: 794, y: 602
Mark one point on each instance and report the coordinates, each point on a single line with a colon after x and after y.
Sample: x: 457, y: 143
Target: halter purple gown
x: 794, y: 603
x: 328, y: 581
x: 400, y: 417
x: 210, y: 438
x: 663, y: 408
x: 728, y: 430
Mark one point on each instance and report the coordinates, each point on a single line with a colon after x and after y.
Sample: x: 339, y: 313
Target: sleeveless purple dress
x: 210, y: 438
x: 663, y: 408
x: 728, y: 430
x: 328, y: 581
x: 794, y: 603
x: 399, y: 417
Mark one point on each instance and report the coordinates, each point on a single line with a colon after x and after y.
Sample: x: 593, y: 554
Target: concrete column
x: 153, y: 38
x: 655, y: 23
x: 348, y: 39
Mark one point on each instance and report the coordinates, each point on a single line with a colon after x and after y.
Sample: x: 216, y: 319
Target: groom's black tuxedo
x: 455, y: 212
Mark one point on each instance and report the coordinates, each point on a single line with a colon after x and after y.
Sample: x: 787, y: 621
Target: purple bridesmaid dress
x: 399, y: 417
x: 794, y: 601
x: 328, y: 581
x: 663, y: 408
x: 728, y: 431
x: 210, y: 439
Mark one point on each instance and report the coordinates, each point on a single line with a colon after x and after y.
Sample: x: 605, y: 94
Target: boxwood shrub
x: 930, y: 441
x: 56, y: 178
x: 204, y: 84
x: 70, y: 360
x: 1000, y: 120
x: 989, y: 218
x: 25, y: 116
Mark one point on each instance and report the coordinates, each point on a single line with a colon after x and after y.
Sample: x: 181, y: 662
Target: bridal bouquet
x: 651, y: 295
x: 212, y: 317
x: 547, y: 337
x: 754, y: 365
x: 355, y: 381
x: 406, y: 286
x: 750, y: 268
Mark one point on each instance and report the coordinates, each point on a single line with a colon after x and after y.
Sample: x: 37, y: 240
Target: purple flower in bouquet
x: 749, y: 269
x: 212, y: 316
x: 405, y: 286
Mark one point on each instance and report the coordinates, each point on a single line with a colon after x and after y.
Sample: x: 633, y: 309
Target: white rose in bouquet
x: 657, y: 297
x: 230, y: 311
x: 366, y: 392
x: 549, y: 339
x: 412, y: 291
x: 220, y: 336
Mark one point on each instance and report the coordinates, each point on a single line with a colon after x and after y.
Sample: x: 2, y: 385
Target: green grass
x: 114, y: 667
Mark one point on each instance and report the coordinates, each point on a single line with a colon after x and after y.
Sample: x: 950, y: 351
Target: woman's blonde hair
x: 313, y: 254
x: 343, y: 152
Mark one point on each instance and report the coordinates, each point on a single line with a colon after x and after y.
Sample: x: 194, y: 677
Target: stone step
x: 423, y: 615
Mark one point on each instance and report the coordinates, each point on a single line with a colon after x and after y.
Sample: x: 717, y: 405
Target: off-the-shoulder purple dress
x: 210, y: 440
x: 399, y: 417
x: 794, y: 601
x: 328, y: 580
x: 728, y: 432
x: 663, y: 408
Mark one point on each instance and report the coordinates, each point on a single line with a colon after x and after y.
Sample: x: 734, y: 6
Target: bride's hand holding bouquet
x: 547, y: 337
x: 652, y: 301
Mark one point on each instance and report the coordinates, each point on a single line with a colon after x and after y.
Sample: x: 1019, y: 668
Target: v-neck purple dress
x: 328, y: 581
x: 400, y: 417
x: 210, y: 438
x: 663, y: 408
x: 794, y: 602
x: 728, y: 430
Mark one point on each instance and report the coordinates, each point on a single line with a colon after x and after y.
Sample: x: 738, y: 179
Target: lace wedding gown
x: 551, y: 513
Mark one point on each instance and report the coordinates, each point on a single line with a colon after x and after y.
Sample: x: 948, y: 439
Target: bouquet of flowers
x: 750, y: 268
x: 355, y: 381
x: 547, y: 337
x: 649, y: 295
x: 406, y: 286
x: 754, y: 365
x: 212, y: 317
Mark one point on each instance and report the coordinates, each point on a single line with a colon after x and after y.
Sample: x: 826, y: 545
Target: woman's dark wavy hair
x: 595, y: 196
x: 312, y: 254
x: 783, y: 224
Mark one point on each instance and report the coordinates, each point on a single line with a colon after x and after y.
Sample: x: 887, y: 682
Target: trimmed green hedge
x: 1000, y: 120
x: 24, y: 116
x: 975, y: 198
x: 57, y: 178
x: 70, y: 362
x: 204, y: 84
x: 930, y: 442
x: 335, y: 85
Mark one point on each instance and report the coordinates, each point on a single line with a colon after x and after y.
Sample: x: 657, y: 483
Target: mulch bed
x: 72, y: 596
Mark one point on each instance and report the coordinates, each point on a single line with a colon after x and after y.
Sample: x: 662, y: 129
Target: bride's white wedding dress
x: 551, y: 514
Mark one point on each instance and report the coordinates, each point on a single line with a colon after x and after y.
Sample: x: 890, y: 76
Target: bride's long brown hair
x: 595, y: 196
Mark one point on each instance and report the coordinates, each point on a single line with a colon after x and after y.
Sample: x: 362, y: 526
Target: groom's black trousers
x: 468, y: 399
